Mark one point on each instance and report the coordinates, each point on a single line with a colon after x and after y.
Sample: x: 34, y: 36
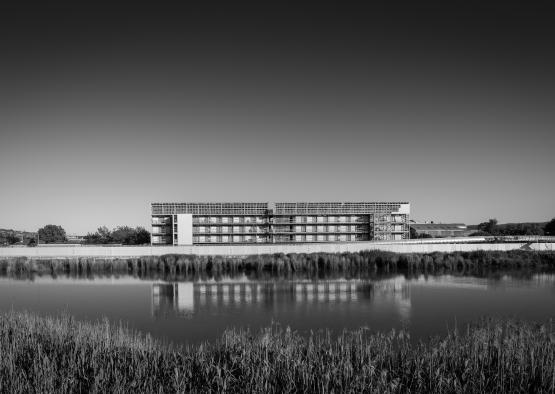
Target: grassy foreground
x: 311, y: 264
x: 59, y: 354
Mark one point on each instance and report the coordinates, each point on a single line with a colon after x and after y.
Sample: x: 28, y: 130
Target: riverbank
x: 445, y: 245
x: 311, y: 264
x: 46, y: 354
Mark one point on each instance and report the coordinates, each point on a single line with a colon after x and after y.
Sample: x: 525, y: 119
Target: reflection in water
x: 191, y: 312
x: 172, y: 298
x: 184, y: 299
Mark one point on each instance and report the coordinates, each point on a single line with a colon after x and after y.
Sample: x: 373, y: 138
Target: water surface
x: 190, y: 312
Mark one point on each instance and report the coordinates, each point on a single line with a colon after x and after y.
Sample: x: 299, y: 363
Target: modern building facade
x: 253, y: 222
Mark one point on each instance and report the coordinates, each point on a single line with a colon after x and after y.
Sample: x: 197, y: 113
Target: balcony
x: 166, y: 222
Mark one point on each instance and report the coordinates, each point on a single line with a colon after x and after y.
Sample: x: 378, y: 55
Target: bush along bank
x: 312, y: 264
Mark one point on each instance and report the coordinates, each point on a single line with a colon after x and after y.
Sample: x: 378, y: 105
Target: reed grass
x: 60, y: 354
x: 313, y: 264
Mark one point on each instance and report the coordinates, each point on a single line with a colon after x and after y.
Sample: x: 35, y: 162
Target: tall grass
x: 172, y: 265
x: 47, y: 355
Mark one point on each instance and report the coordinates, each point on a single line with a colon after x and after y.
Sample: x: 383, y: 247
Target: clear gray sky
x: 105, y: 109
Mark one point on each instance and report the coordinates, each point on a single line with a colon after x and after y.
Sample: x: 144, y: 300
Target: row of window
x: 229, y: 229
x: 295, y: 219
x: 296, y: 238
x: 336, y: 207
x: 263, y: 229
x: 229, y: 219
x: 161, y: 239
x: 209, y: 208
x: 291, y: 219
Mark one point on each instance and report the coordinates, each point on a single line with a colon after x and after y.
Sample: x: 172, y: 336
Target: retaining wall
x: 242, y: 250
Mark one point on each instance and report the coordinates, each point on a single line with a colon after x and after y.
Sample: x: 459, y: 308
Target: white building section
x: 184, y: 229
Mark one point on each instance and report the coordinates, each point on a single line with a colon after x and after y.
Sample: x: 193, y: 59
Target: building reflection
x: 173, y: 298
x: 184, y: 299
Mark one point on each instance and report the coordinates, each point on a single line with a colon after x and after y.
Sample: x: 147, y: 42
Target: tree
x: 124, y: 235
x: 104, y: 235
x: 12, y: 239
x: 549, y: 228
x: 489, y: 227
x: 52, y: 234
x: 143, y: 236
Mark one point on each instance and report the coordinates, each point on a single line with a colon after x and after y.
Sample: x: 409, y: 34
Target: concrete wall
x: 184, y: 229
x: 241, y: 250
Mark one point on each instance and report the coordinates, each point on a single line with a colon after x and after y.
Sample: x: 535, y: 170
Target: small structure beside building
x: 76, y: 239
x: 442, y: 230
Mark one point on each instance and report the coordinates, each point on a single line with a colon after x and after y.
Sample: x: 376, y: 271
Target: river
x: 191, y: 312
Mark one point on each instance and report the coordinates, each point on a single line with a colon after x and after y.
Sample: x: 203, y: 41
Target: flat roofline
x: 283, y: 202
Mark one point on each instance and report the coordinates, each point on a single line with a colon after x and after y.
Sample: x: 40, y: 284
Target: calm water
x: 192, y: 312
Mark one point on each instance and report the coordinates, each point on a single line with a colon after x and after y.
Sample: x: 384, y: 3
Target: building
x: 442, y: 230
x: 241, y: 223
x: 76, y: 239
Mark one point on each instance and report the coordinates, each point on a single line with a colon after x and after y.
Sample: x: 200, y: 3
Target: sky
x: 106, y: 108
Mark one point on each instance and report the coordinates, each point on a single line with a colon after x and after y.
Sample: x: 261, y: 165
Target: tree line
x: 491, y: 227
x: 124, y: 235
